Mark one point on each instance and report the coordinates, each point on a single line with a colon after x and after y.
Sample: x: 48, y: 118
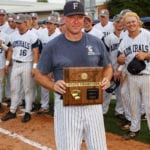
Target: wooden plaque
x: 83, y: 85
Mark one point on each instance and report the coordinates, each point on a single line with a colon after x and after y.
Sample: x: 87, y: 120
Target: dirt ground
x: 40, y: 133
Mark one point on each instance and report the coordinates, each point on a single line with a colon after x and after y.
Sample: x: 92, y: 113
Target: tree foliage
x: 44, y: 1
x: 141, y: 7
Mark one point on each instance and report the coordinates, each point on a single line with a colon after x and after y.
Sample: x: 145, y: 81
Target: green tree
x: 141, y: 7
x: 44, y: 1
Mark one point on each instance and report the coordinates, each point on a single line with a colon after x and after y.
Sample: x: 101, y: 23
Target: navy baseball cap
x: 73, y: 8
x: 52, y: 19
x: 104, y: 12
x: 20, y: 18
x: 117, y: 17
x: 2, y: 12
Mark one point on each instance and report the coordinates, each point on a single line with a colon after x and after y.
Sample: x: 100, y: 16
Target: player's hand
x: 6, y: 69
x: 117, y: 75
x: 105, y: 83
x: 121, y: 59
x: 33, y: 72
x: 140, y: 55
x: 1, y: 42
x: 60, y: 86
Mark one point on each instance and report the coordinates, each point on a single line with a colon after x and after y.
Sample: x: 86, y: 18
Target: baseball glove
x: 113, y: 86
x: 136, y: 66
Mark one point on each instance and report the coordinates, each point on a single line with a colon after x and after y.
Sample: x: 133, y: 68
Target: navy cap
x: 34, y: 15
x: 104, y: 12
x: 52, y: 19
x: 20, y: 18
x: 2, y: 11
x: 11, y: 17
x: 73, y: 8
x: 124, y: 11
x: 117, y: 17
x: 89, y: 15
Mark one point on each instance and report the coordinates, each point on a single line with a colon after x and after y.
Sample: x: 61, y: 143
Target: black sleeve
x: 119, y: 53
x: 105, y: 44
x: 40, y: 46
x: 35, y: 45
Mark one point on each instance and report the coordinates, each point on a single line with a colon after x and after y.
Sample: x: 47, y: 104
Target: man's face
x: 34, y: 21
x: 119, y: 25
x: 131, y: 23
x: 21, y: 26
x: 74, y: 23
x: 51, y: 27
x: 87, y: 23
x: 12, y: 24
x: 104, y: 19
x: 2, y: 19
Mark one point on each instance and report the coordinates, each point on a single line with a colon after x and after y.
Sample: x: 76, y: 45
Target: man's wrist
x: 7, y: 62
x: 34, y: 65
x: 5, y: 47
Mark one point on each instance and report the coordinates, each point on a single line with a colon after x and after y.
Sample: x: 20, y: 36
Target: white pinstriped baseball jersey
x: 22, y: 49
x: 130, y: 47
x: 45, y: 38
x: 107, y: 29
x: 4, y: 27
x: 112, y: 41
x: 98, y: 33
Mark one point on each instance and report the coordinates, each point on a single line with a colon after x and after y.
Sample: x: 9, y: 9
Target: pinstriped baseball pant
x: 139, y: 87
x: 71, y: 121
x: 21, y: 78
x: 1, y: 83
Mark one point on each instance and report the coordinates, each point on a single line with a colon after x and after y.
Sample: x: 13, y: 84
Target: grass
x: 111, y: 125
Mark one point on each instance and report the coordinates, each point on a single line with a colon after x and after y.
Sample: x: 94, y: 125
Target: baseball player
x: 112, y: 41
x: 12, y: 28
x: 104, y: 25
x: 24, y: 55
x: 88, y: 26
x: 61, y: 25
x: 3, y: 20
x: 74, y: 49
x: 4, y: 40
x: 45, y: 36
x: 136, y: 44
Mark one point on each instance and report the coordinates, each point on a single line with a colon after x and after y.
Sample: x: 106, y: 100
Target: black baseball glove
x: 136, y: 66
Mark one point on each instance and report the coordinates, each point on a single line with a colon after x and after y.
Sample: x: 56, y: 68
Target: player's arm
x: 8, y: 57
x: 107, y: 76
x: 44, y: 80
x: 35, y: 48
x: 121, y: 58
x: 142, y: 55
x: 48, y: 83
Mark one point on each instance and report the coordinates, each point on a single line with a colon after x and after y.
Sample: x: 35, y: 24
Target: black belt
x: 61, y: 97
x: 18, y: 61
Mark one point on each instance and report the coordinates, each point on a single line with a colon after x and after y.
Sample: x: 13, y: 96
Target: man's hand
x: 60, y: 86
x: 6, y: 69
x: 121, y: 59
x: 141, y: 55
x: 117, y: 75
x: 105, y: 83
x: 1, y: 42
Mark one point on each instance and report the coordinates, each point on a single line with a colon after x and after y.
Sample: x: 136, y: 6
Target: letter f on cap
x: 75, y: 5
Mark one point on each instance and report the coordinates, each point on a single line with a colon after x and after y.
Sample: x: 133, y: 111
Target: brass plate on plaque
x: 83, y: 85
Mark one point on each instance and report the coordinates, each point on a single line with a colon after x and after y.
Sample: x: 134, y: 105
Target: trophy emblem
x: 83, y: 86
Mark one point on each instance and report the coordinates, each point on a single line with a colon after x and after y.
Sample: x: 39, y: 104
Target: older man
x: 74, y: 49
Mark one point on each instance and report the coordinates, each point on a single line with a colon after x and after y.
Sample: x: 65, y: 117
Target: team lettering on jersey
x: 21, y: 44
x: 135, y: 48
x: 106, y: 33
x: 114, y: 46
